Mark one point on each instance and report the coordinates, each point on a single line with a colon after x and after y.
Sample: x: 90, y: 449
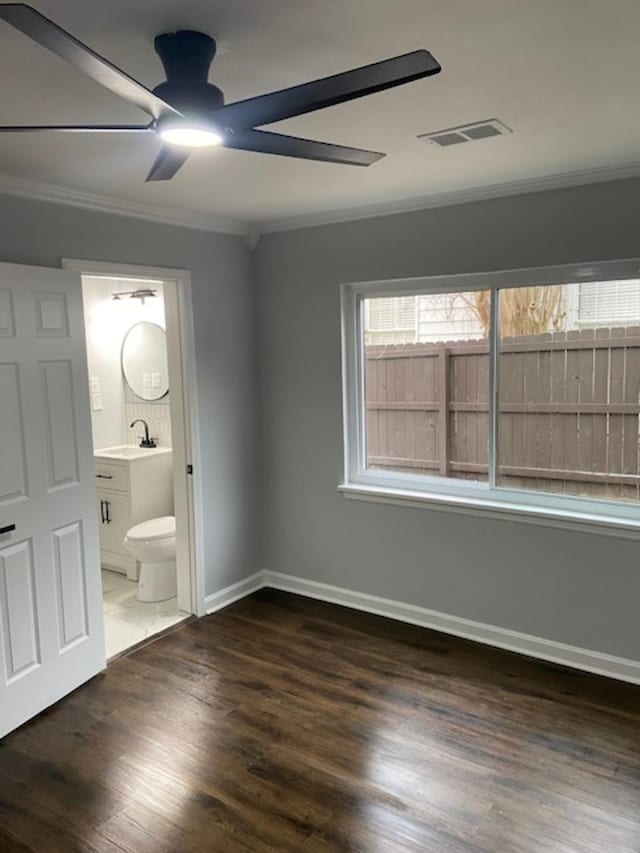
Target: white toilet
x: 153, y: 544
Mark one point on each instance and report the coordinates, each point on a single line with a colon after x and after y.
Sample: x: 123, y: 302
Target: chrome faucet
x: 146, y: 441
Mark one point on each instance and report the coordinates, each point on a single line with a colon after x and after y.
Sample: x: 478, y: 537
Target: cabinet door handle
x: 108, y: 509
x: 102, y: 511
x: 104, y: 476
x: 9, y: 528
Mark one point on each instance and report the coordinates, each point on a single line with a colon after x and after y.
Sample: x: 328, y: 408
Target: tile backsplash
x: 157, y: 416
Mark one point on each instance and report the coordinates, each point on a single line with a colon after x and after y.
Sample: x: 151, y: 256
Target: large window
x: 517, y: 390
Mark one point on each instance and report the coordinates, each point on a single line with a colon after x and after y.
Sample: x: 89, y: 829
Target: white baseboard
x: 503, y: 638
x: 232, y: 593
x: 599, y: 663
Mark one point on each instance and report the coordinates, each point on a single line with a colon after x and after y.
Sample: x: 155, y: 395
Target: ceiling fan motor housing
x: 186, y: 56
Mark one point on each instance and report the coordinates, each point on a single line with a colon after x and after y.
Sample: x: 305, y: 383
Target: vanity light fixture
x: 141, y: 294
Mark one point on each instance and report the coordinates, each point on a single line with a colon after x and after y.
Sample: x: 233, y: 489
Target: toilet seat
x: 154, y: 529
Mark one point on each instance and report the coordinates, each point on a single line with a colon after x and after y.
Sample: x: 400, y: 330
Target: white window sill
x: 583, y: 522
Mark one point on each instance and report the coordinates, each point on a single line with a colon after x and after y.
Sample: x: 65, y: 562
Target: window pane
x: 427, y: 384
x: 569, y: 389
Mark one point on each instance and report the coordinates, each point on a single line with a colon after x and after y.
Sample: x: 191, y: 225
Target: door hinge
x: 189, y: 469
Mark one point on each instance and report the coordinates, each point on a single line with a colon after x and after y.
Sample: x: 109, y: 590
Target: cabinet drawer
x: 111, y: 476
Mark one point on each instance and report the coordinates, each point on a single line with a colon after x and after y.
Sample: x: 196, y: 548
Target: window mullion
x: 360, y: 443
x: 494, y: 385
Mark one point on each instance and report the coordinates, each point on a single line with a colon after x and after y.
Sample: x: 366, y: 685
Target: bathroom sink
x: 129, y: 451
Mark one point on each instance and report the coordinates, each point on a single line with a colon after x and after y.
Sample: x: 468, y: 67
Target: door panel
x: 116, y: 525
x: 13, y: 469
x: 71, y: 589
x: 7, y: 325
x: 118, y: 513
x: 19, y: 611
x: 51, y: 632
x: 59, y: 423
x: 51, y: 315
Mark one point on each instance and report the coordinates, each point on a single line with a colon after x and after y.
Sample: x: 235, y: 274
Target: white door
x: 51, y: 631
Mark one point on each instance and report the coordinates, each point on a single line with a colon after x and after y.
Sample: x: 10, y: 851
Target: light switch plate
x: 155, y: 380
x: 96, y: 402
x: 146, y: 380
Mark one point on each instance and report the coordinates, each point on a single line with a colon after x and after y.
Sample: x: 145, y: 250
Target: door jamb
x: 192, y: 484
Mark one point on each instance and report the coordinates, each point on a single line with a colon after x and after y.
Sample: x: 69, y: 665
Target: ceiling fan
x: 188, y: 112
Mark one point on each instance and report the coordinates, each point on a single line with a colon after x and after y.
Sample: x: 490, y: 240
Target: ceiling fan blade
x: 293, y: 146
x: 30, y: 22
x: 167, y: 163
x: 79, y: 128
x: 328, y: 91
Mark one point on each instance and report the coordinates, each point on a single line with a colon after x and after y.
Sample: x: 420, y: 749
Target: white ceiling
x: 562, y: 73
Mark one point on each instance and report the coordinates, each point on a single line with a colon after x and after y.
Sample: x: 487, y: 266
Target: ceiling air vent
x: 466, y: 133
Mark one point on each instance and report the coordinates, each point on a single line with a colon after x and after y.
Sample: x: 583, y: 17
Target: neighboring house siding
x: 420, y: 319
x: 447, y: 317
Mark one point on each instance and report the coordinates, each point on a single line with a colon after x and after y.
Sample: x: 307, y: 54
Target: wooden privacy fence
x: 568, y: 416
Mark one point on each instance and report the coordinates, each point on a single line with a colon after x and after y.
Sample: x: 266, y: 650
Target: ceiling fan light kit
x: 189, y: 135
x: 188, y: 112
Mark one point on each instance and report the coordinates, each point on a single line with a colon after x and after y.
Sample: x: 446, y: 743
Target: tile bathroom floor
x: 127, y: 621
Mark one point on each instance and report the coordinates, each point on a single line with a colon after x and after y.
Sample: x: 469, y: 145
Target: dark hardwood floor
x: 285, y: 724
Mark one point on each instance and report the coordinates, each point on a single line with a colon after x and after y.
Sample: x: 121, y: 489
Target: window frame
x: 595, y: 515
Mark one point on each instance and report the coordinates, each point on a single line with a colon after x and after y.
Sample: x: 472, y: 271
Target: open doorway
x: 143, y: 451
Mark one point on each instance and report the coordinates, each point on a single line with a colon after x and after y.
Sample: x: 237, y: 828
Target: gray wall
x: 41, y: 233
x: 572, y: 587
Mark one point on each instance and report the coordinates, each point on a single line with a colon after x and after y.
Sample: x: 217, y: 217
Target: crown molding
x: 252, y: 237
x: 40, y: 191
x: 561, y: 180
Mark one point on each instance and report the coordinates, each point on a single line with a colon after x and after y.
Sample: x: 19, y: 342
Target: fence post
x: 443, y: 410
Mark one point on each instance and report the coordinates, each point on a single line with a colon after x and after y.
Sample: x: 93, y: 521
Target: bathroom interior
x: 131, y: 426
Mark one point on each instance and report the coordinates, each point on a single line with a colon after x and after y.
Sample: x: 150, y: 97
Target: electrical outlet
x: 155, y: 380
x: 146, y: 380
x: 94, y: 384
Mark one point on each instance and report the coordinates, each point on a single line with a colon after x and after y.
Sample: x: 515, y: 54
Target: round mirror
x: 144, y: 361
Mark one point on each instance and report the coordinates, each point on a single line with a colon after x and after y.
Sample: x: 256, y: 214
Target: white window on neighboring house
x: 608, y: 303
x: 391, y: 321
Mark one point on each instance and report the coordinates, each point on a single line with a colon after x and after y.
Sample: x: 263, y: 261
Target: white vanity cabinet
x: 133, y: 485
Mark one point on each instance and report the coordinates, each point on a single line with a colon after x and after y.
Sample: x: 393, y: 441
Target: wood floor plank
x: 287, y: 724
